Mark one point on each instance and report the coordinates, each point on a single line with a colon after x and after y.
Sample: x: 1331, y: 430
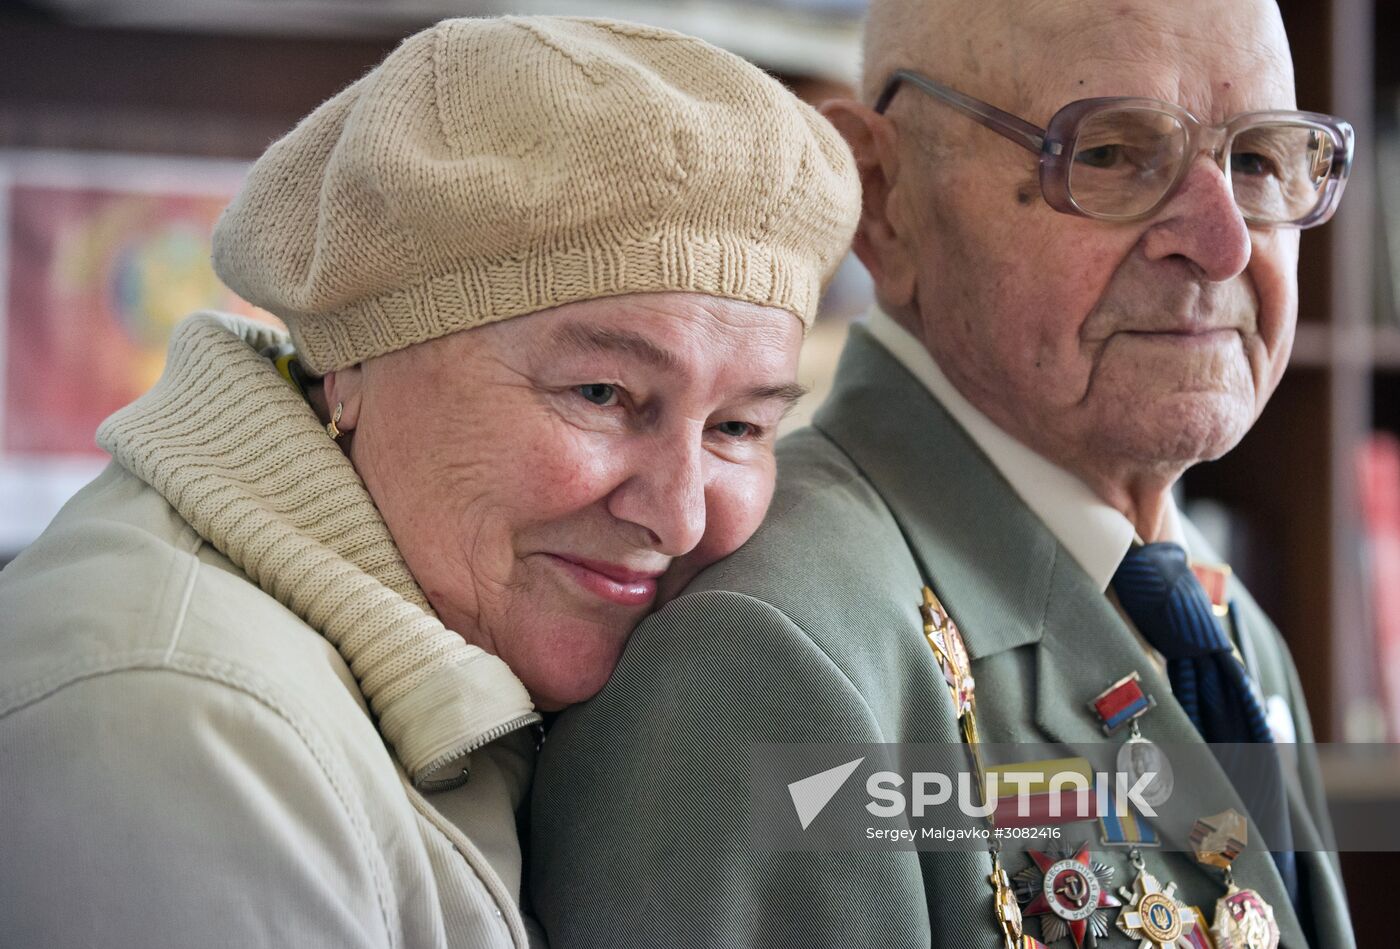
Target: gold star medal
x: 948, y: 649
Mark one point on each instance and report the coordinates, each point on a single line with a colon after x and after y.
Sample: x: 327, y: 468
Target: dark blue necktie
x: 1170, y: 608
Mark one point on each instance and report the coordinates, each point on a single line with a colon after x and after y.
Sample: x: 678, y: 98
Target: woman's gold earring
x: 331, y: 430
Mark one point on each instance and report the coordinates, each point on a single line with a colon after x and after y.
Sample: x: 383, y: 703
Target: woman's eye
x: 736, y: 429
x: 599, y: 393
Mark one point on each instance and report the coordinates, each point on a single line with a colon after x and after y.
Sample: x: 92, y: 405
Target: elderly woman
x: 270, y: 679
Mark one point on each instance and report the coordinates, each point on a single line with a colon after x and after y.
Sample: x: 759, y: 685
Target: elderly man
x: 1082, y: 223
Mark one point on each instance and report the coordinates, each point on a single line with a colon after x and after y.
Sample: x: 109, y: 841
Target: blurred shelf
x: 1387, y: 348
x: 1312, y: 345
x: 818, y: 38
x: 1360, y: 772
x: 1322, y: 345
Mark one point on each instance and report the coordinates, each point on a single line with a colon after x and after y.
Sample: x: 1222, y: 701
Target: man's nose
x: 1202, y: 224
x: 665, y: 494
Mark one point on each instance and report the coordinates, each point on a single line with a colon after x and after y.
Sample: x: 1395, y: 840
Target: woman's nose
x: 665, y: 493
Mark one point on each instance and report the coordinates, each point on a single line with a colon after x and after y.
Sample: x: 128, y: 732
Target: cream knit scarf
x: 244, y: 460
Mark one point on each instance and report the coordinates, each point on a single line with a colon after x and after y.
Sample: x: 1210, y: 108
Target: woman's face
x: 552, y: 478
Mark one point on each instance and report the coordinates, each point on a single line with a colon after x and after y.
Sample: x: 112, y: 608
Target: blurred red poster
x: 1379, y: 466
x: 101, y: 256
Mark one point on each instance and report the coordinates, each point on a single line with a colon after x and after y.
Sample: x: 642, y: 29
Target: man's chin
x: 1179, y: 431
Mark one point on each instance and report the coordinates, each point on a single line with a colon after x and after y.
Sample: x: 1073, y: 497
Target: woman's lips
x: 610, y: 582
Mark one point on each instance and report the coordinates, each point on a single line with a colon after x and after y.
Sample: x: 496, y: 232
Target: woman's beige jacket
x: 228, y: 716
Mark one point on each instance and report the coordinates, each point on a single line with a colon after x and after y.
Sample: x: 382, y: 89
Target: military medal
x: 942, y: 634
x: 943, y: 638
x: 1243, y: 919
x: 1138, y: 757
x: 1008, y: 911
x: 1069, y: 891
x: 1122, y: 704
x: 1154, y: 915
x: 951, y: 655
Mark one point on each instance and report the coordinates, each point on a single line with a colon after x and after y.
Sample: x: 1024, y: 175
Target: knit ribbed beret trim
x: 241, y: 457
x: 494, y: 167
x: 751, y: 271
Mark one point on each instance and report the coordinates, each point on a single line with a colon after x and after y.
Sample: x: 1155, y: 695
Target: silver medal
x: 1138, y: 757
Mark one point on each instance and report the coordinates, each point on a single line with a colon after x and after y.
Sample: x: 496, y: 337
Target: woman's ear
x: 880, y: 241
x: 345, y: 388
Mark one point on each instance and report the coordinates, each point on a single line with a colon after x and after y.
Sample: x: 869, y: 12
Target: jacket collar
x: 241, y: 457
x: 995, y: 559
x: 1095, y: 533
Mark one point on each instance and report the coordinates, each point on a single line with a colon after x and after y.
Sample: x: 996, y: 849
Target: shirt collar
x: 1094, y: 533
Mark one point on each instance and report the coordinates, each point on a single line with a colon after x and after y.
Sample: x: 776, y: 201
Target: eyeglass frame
x: 1052, y: 143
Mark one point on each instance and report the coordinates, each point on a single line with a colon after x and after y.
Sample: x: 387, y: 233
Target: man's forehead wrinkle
x: 998, y: 50
x: 1214, y: 66
x: 991, y: 44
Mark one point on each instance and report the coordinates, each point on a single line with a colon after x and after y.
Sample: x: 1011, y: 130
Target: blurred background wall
x: 125, y: 125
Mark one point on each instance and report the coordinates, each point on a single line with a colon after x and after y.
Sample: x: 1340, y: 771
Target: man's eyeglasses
x: 1121, y: 159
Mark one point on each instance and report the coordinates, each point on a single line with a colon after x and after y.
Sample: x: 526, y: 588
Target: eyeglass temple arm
x: 1020, y: 131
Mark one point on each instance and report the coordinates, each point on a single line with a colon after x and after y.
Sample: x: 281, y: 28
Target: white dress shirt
x: 1096, y: 535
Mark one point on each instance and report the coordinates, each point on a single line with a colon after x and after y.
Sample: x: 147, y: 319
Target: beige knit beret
x: 490, y: 168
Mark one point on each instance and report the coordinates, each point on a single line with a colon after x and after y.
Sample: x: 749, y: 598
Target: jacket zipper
x: 480, y: 741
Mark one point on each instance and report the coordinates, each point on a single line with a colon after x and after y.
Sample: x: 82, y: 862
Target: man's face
x: 1129, y: 347
x: 550, y: 478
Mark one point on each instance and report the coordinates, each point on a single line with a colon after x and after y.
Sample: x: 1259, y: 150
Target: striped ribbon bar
x: 1126, y: 829
x: 1121, y: 702
x: 1198, y: 936
x: 1061, y: 791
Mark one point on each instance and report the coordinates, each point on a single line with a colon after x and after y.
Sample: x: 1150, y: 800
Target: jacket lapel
x: 994, y: 559
x: 1007, y: 582
x: 1324, y: 891
x: 1003, y: 576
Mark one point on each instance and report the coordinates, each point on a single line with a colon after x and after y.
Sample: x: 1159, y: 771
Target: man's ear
x: 881, y: 242
x: 345, y: 387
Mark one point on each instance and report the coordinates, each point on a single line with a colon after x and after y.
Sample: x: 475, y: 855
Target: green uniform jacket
x: 810, y: 634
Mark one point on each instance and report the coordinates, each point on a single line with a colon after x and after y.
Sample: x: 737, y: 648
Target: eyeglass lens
x: 1126, y: 159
